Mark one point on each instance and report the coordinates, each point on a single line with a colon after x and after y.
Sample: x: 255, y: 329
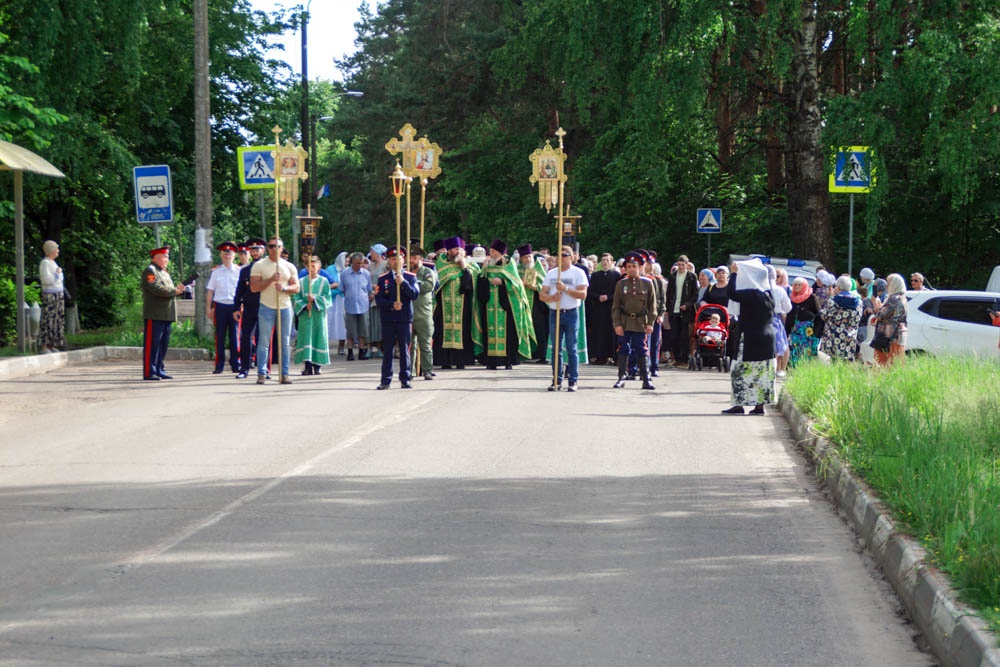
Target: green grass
x: 926, y: 437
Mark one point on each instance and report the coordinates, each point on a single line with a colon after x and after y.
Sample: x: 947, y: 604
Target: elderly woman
x: 842, y: 312
x: 782, y: 306
x: 706, y: 278
x: 51, y: 335
x: 799, y: 322
x: 753, y: 371
x: 336, y: 326
x: 891, y: 321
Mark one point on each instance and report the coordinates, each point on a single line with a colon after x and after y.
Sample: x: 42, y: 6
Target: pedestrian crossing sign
x: 709, y: 220
x: 853, y: 170
x: 256, y: 167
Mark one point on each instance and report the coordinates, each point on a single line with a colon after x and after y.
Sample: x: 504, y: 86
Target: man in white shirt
x: 564, y: 289
x: 275, y: 279
x: 220, y: 293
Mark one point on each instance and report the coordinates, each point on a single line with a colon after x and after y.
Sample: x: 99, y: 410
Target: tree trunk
x: 808, y: 198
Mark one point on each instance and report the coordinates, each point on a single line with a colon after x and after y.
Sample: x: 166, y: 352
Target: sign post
x: 154, y: 196
x: 709, y: 221
x: 853, y: 172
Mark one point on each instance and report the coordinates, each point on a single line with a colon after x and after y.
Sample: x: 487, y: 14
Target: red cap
x: 165, y: 250
x: 227, y: 245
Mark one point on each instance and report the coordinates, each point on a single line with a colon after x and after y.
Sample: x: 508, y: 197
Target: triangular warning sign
x: 853, y: 172
x: 260, y: 169
x: 709, y: 221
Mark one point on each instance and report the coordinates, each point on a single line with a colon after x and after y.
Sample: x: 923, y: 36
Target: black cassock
x: 600, y: 331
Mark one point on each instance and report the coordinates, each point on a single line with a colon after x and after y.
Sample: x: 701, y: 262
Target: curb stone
x: 956, y: 636
x: 15, y: 367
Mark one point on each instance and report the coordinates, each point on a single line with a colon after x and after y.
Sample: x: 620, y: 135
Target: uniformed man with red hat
x: 220, y: 293
x: 246, y: 302
x: 633, y: 313
x: 395, y: 293
x: 159, y: 312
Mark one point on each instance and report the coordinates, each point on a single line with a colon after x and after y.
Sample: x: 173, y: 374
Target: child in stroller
x: 711, y: 334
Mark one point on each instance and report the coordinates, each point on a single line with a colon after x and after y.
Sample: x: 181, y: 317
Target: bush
x: 8, y: 303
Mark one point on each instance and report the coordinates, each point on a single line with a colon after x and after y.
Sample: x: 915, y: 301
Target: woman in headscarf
x: 335, y: 323
x: 802, y: 342
x: 706, y: 278
x: 753, y: 371
x: 781, y: 307
x: 891, y: 320
x: 841, y: 313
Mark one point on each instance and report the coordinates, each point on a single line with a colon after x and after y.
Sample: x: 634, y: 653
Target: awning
x: 15, y: 158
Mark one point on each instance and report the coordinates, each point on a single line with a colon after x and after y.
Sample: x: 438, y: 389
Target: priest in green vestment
x: 456, y: 287
x: 502, y: 333
x: 312, y: 345
x: 532, y: 271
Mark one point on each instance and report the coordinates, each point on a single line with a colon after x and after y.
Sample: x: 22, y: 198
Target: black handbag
x: 883, y: 337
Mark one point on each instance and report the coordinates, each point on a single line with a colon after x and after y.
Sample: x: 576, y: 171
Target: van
x: 796, y: 268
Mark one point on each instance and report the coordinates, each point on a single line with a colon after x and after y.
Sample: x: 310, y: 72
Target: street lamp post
x: 313, y: 173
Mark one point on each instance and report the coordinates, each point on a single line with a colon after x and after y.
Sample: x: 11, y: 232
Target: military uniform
x: 423, y: 320
x: 396, y: 323
x: 633, y: 308
x: 159, y: 312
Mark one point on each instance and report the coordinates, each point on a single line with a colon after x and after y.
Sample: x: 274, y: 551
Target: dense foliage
x: 668, y: 105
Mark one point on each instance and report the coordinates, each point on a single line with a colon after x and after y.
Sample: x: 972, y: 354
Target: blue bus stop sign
x: 154, y: 197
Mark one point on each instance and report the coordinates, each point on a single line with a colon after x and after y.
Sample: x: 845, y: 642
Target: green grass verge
x: 926, y: 437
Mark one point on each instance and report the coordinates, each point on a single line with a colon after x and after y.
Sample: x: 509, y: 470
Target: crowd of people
x: 456, y: 306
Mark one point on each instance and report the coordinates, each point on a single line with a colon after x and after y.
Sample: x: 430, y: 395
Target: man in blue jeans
x: 564, y: 289
x: 275, y: 279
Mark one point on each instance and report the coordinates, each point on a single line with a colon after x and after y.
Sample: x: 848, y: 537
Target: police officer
x: 395, y: 292
x: 246, y: 302
x: 423, y: 311
x: 159, y: 312
x: 221, y: 295
x: 633, y: 313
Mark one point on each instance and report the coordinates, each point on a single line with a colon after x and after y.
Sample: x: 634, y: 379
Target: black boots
x: 644, y: 372
x: 622, y: 371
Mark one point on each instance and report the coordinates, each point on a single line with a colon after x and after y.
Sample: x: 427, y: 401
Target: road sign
x: 853, y: 170
x: 154, y: 197
x: 256, y: 166
x: 709, y: 220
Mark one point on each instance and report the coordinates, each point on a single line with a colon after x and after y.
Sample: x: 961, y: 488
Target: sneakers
x: 428, y: 375
x: 383, y: 386
x: 555, y: 387
x: 362, y: 354
x: 285, y: 379
x: 406, y: 385
x: 261, y: 379
x: 782, y: 374
x: 571, y: 387
x: 620, y: 384
x: 241, y: 375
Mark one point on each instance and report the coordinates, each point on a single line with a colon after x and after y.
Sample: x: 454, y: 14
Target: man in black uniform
x: 394, y: 295
x: 246, y: 303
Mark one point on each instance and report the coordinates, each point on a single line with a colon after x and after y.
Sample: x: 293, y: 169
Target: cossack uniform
x: 159, y: 312
x: 633, y: 308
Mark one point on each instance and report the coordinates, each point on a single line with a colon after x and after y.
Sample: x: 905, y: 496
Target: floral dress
x: 801, y: 341
x: 840, y: 336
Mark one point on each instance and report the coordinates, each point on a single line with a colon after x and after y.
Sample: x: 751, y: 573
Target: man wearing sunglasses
x: 276, y: 280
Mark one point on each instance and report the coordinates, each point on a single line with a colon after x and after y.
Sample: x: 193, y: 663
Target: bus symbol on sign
x: 153, y: 200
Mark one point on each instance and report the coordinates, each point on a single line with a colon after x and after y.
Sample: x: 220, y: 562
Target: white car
x: 950, y: 322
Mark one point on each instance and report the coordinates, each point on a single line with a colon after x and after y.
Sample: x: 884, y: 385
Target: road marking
x: 144, y: 556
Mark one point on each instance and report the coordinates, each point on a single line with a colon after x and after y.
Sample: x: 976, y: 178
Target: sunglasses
x: 565, y: 254
x: 273, y: 245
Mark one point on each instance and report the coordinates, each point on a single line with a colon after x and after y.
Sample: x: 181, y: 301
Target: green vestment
x: 312, y: 343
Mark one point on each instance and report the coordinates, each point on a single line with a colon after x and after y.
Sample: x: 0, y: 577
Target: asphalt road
x: 473, y: 520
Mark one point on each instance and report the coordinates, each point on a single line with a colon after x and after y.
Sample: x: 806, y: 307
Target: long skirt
x: 335, y: 324
x: 803, y: 343
x: 753, y: 381
x: 52, y: 328
x: 780, y: 337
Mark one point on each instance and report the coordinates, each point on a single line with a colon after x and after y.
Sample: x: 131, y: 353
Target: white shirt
x: 573, y: 277
x: 51, y: 276
x: 223, y: 282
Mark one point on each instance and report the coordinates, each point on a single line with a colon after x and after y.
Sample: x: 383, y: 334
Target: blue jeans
x: 265, y: 325
x: 569, y: 322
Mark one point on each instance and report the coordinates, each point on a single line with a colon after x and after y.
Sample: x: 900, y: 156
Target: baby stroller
x: 710, y: 338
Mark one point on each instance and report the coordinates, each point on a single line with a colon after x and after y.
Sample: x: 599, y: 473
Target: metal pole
x: 850, y: 239
x: 277, y: 231
x: 709, y: 249
x: 19, y: 243
x: 263, y: 223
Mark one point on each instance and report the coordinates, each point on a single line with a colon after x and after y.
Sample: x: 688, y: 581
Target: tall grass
x: 926, y: 437
x: 183, y: 334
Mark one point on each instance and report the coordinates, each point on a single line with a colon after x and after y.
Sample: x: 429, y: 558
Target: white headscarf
x: 341, y: 262
x: 752, y: 275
